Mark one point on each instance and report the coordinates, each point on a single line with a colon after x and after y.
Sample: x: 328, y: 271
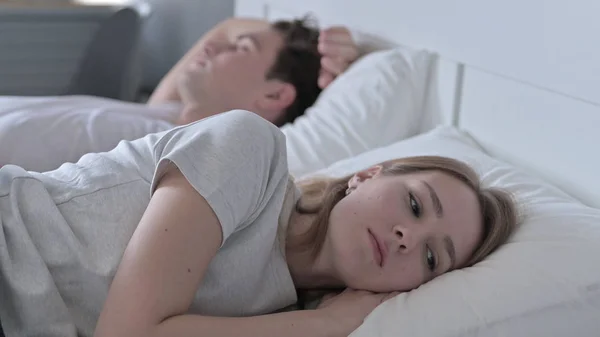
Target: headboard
x: 521, y: 77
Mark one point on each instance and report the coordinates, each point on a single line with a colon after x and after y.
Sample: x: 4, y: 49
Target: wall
x: 551, y: 43
x: 173, y: 28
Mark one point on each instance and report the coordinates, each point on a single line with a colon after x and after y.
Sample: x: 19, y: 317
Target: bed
x: 514, y: 90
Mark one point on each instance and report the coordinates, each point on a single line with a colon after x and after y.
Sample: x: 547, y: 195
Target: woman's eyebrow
x: 437, y: 205
x: 439, y: 212
x: 449, y: 245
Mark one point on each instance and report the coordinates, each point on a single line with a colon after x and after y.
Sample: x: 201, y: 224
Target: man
x: 275, y: 70
x: 271, y: 69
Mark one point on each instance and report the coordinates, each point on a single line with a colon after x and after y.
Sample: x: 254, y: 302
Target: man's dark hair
x: 297, y: 63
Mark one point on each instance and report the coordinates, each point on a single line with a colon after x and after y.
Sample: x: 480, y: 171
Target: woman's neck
x: 308, y: 271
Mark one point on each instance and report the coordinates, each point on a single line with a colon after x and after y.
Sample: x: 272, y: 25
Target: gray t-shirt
x: 64, y: 231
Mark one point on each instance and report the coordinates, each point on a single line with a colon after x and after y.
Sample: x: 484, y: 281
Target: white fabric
x: 545, y: 282
x: 63, y: 232
x: 41, y: 133
x: 376, y: 102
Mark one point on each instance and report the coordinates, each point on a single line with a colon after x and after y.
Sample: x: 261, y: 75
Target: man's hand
x: 338, y: 50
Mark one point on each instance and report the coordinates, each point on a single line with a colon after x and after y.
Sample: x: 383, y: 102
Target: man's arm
x: 225, y: 31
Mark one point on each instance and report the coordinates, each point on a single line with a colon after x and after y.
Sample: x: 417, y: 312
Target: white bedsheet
x: 41, y: 133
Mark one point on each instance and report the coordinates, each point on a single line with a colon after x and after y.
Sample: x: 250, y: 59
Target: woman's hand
x: 349, y: 308
x: 338, y: 50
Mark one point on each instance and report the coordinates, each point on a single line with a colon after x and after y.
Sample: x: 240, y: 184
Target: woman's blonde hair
x: 498, y: 211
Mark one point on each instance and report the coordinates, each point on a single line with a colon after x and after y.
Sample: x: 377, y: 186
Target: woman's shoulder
x: 240, y: 129
x: 247, y: 121
x: 236, y: 139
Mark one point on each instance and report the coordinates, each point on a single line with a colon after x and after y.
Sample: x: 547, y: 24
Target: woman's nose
x: 406, y: 239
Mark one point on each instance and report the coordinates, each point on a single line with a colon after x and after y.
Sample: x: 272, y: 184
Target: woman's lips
x: 378, y: 251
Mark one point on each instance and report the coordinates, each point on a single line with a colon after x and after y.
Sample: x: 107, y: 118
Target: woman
x: 86, y: 247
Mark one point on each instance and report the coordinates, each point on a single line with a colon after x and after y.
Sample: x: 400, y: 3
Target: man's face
x: 230, y: 75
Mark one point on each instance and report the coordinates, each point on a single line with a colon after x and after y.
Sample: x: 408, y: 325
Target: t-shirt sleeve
x: 235, y: 160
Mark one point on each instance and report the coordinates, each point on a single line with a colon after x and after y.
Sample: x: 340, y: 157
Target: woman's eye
x: 430, y: 258
x: 414, y: 205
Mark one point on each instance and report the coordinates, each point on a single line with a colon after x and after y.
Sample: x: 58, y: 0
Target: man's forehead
x: 269, y: 34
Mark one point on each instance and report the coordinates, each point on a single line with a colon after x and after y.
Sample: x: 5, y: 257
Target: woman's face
x: 394, y: 233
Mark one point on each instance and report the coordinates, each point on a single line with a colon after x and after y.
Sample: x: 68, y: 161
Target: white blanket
x: 41, y: 133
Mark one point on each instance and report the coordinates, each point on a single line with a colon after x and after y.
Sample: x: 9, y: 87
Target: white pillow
x: 544, y: 282
x: 376, y: 102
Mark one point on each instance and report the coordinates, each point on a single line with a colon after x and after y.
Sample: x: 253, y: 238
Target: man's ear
x: 363, y: 176
x: 276, y: 97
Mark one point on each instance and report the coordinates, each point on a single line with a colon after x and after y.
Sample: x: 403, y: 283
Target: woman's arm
x: 227, y: 30
x: 311, y: 323
x: 163, y: 266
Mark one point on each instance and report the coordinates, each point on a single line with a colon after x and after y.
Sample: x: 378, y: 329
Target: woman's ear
x: 363, y: 176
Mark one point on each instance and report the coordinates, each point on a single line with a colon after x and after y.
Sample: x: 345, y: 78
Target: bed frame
x: 521, y: 77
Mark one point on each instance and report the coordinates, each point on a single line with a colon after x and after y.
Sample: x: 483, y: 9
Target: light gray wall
x: 173, y: 27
